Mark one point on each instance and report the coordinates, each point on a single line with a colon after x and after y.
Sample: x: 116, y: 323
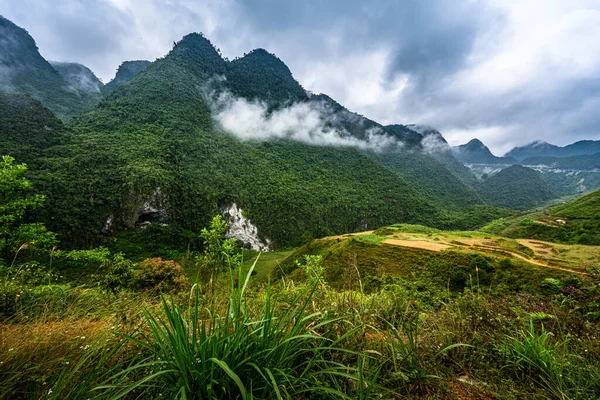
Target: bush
x: 160, y: 274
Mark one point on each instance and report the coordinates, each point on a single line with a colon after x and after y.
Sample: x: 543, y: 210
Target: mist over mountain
x: 192, y: 134
x: 23, y: 70
x: 78, y: 76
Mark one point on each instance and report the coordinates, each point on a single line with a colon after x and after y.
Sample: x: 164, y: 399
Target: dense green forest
x: 516, y: 187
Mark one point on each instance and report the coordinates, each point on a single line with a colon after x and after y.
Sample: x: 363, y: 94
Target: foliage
x: 219, y: 253
x: 314, y: 270
x: 15, y: 201
x: 195, y: 357
x: 118, y: 273
x: 164, y: 275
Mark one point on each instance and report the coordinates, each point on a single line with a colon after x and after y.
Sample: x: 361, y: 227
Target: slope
x: 577, y: 222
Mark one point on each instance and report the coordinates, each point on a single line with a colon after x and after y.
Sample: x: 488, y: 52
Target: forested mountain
x: 544, y: 149
x: 516, y: 187
x: 475, y: 152
x: 28, y: 129
x: 155, y: 151
x: 261, y: 75
x: 581, y: 162
x: 126, y: 72
x: 154, y: 145
x: 23, y: 70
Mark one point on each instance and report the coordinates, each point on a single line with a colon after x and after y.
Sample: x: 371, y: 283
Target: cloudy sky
x: 505, y: 71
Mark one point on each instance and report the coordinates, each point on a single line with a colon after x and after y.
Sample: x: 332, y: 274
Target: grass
x: 384, y: 320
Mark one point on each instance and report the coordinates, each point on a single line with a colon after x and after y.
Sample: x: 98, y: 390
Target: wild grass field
x: 403, y: 312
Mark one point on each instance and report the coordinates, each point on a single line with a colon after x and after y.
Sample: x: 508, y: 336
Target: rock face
x: 243, y: 230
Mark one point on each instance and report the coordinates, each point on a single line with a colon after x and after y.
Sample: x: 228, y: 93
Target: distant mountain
x: 475, y: 152
x: 516, y: 187
x: 78, y: 76
x: 544, y: 149
x: 23, y: 70
x: 126, y: 72
x: 580, y: 162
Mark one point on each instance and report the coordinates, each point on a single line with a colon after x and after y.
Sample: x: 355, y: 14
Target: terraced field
x: 572, y: 258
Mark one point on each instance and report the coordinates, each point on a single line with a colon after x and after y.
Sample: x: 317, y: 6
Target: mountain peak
x: 16, y: 44
x: 78, y: 76
x: 197, y: 53
x: 478, y: 153
x: 262, y: 75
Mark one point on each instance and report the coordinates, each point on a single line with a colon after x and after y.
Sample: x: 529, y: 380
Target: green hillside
x: 516, y: 187
x: 27, y: 129
x: 261, y: 75
x: 577, y: 222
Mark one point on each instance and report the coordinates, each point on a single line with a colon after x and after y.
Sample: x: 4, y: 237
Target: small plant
x: 118, y: 274
x: 314, y: 269
x: 537, y: 356
x: 412, y: 359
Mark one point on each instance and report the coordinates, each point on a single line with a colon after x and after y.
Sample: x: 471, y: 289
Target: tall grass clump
x: 199, y: 354
x: 548, y: 363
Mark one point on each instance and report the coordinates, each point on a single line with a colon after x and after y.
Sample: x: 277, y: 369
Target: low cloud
x: 302, y: 122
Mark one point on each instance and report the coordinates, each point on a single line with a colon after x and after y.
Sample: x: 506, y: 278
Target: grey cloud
x: 413, y: 53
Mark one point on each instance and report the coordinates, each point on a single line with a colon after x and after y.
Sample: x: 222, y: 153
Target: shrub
x: 160, y: 274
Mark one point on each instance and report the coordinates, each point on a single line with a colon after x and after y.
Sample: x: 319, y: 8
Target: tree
x: 15, y: 200
x: 219, y: 252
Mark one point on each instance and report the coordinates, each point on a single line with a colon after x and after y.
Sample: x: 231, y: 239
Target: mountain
x: 543, y: 149
x: 152, y: 152
x: 580, y: 162
x: 78, y: 76
x: 24, y: 71
x: 475, y: 152
x: 576, y: 222
x: 516, y: 187
x: 126, y: 72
